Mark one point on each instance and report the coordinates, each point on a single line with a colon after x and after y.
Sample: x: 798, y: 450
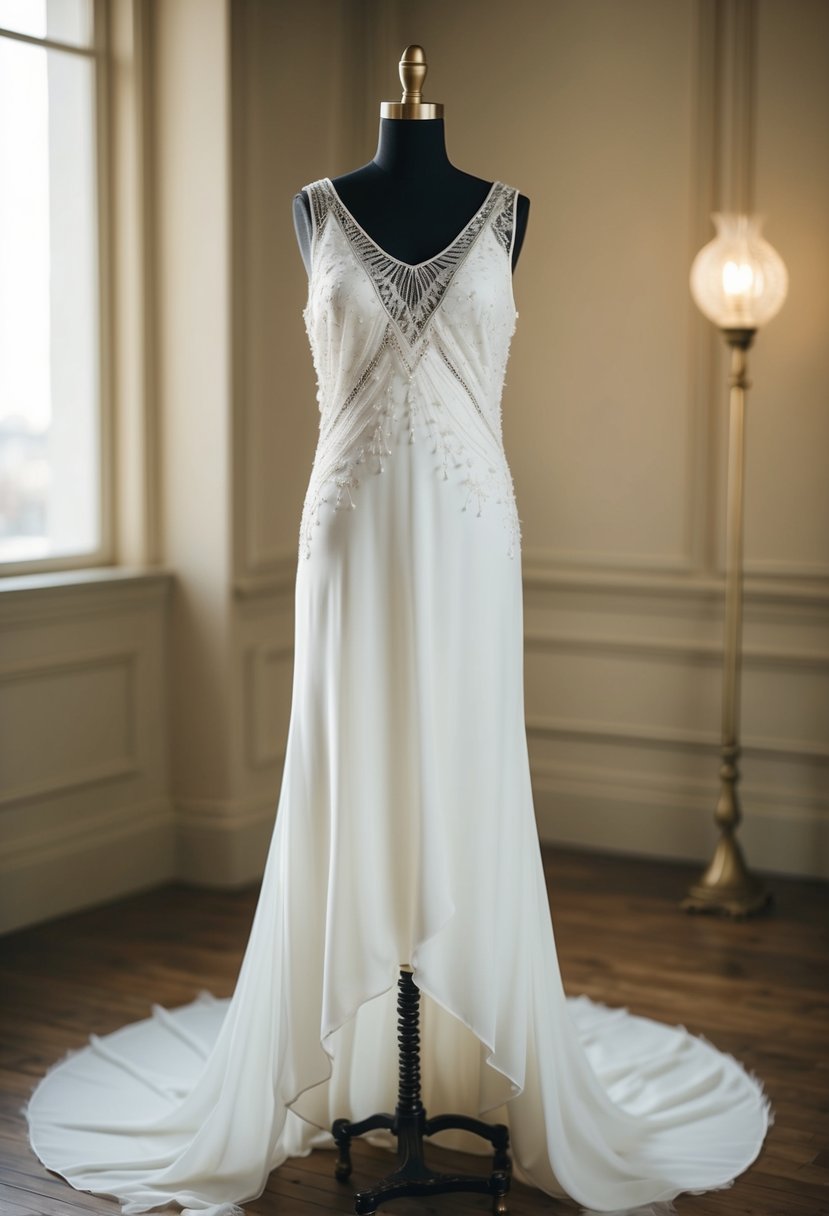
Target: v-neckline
x: 426, y: 261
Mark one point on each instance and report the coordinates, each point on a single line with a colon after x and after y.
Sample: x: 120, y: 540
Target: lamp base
x: 726, y: 887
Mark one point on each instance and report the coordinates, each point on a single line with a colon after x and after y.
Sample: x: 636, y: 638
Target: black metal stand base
x: 410, y: 1124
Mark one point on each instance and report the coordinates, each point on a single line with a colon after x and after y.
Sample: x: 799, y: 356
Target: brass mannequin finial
x: 412, y: 74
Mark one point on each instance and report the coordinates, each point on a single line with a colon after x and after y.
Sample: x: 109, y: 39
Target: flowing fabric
x: 405, y: 828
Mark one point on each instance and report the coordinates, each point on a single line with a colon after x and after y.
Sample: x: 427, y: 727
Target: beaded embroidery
x: 358, y: 431
x: 454, y: 372
x: 409, y: 293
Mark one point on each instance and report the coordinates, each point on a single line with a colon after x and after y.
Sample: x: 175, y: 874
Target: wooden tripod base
x: 410, y: 1124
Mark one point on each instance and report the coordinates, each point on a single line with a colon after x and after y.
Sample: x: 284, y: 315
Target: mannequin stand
x: 410, y: 1125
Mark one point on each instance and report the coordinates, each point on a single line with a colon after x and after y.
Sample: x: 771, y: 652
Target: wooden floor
x: 757, y: 989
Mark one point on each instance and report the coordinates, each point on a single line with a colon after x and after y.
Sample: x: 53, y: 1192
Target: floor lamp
x: 739, y: 282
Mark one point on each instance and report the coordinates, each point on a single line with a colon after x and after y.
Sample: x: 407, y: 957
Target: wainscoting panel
x: 267, y: 702
x: 85, y: 814
x: 68, y: 750
x: 224, y: 841
x: 623, y: 684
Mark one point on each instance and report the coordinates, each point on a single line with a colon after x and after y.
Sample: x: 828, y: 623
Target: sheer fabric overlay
x: 405, y: 826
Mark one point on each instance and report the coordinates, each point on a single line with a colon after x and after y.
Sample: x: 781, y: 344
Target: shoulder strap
x: 319, y: 199
x: 503, y: 218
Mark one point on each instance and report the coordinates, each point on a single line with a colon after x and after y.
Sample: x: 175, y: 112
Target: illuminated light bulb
x: 738, y: 280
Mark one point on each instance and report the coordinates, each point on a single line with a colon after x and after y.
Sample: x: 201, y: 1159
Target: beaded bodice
x: 426, y: 342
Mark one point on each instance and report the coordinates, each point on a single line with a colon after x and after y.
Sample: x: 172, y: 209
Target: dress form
x: 409, y: 198
x: 413, y: 204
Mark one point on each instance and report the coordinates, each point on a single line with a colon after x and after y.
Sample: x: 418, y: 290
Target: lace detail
x: 363, y: 437
x: 492, y: 483
x: 367, y: 374
x: 410, y: 293
x: 503, y: 220
x: 355, y: 436
x: 319, y: 208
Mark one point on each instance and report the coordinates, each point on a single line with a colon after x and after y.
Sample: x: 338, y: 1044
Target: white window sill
x: 52, y: 592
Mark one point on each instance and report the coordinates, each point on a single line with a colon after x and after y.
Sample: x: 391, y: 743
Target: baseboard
x: 223, y: 844
x: 226, y: 845
x: 649, y: 819
x: 92, y: 862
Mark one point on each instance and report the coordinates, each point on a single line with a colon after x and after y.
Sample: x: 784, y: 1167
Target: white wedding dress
x: 405, y: 826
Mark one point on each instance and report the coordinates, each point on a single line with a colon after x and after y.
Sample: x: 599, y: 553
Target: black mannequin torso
x: 410, y: 199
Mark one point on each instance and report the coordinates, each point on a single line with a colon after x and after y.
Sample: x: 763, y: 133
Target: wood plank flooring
x: 758, y: 989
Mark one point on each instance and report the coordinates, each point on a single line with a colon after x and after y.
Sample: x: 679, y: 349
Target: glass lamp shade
x: 738, y: 280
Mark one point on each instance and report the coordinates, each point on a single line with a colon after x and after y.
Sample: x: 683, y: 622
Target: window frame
x: 99, y: 53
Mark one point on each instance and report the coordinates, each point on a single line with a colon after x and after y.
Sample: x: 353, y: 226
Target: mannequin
x: 410, y: 199
x: 413, y: 203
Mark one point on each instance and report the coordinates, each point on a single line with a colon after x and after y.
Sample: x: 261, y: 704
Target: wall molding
x: 224, y: 842
x: 278, y: 580
x: 136, y: 441
x: 672, y: 739
x: 82, y: 661
x: 112, y: 769
x: 96, y: 824
x: 241, y: 489
x: 58, y: 841
x: 85, y: 862
x: 786, y: 570
x: 617, y: 562
x: 93, y: 591
x: 659, y: 787
x: 225, y: 814
x: 674, y: 819
x: 259, y: 658
x: 672, y: 649
x: 542, y: 570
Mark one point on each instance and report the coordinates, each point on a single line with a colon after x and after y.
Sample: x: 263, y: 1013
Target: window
x: 52, y: 450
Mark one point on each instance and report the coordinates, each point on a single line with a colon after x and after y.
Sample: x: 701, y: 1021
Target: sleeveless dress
x: 405, y: 829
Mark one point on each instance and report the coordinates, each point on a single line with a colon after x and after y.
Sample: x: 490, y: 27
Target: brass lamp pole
x: 739, y: 282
